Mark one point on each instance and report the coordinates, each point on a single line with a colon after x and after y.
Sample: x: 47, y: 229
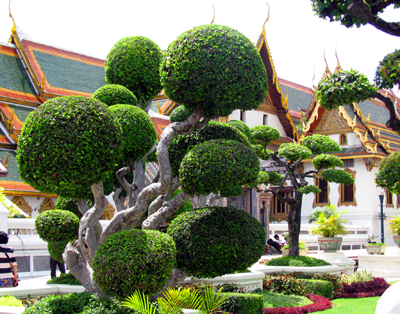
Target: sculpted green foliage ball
x: 138, y: 132
x: 66, y: 203
x: 325, y: 161
x: 180, y: 114
x: 214, y: 241
x: 67, y: 144
x: 57, y: 225
x: 320, y: 144
x: 264, y: 134
x: 56, y: 250
x: 218, y: 165
x: 309, y: 189
x: 344, y: 88
x: 134, y: 260
x: 114, y: 94
x: 338, y: 176
x: 241, y: 126
x: 215, y: 68
x: 182, y: 144
x: 134, y: 62
x: 388, y: 72
x: 294, y: 152
x: 388, y: 175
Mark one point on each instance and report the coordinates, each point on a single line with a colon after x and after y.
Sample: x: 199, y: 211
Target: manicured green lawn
x: 272, y: 299
x: 353, y: 306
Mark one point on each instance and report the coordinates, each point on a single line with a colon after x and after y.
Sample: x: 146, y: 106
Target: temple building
x: 33, y: 72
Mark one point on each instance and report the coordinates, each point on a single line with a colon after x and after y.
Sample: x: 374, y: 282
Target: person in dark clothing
x: 274, y: 247
x: 53, y: 267
x: 8, y: 264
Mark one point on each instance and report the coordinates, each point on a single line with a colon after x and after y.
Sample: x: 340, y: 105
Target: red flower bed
x: 372, y: 288
x: 320, y: 304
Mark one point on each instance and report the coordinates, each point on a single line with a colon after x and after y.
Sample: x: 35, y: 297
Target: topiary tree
x: 57, y: 225
x: 134, y: 62
x: 144, y: 261
x: 114, y: 94
x: 388, y: 175
x: 69, y: 204
x: 180, y: 114
x: 67, y: 133
x: 289, y: 156
x: 56, y: 250
x: 346, y: 87
x: 202, y: 235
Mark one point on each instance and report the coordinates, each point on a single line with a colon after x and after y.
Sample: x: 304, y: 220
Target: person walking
x: 8, y: 264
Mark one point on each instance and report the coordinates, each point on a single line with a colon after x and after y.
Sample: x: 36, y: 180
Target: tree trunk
x: 294, y: 223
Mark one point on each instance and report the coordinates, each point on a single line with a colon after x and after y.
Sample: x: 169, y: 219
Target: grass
x: 353, y: 306
x: 272, y: 299
x: 9, y: 300
x: 64, y: 279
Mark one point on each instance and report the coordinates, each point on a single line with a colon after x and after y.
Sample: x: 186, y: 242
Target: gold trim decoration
x: 312, y: 119
x: 6, y: 165
x: 14, y: 28
x: 22, y: 204
x: 341, y: 190
x: 46, y: 205
x: 263, y: 32
x: 371, y: 162
x: 317, y: 178
x: 212, y: 22
x: 109, y: 212
x: 391, y: 205
x: 338, y: 66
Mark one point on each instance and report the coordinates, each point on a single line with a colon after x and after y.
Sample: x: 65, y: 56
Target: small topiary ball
x: 215, y: 68
x: 218, y: 165
x: 264, y: 134
x: 134, y: 62
x: 134, y: 260
x: 66, y: 203
x: 56, y: 250
x: 320, y: 144
x: 293, y: 152
x: 214, y: 241
x: 138, y: 132
x: 67, y: 144
x: 57, y: 225
x: 114, y: 94
x: 241, y: 126
x: 180, y: 114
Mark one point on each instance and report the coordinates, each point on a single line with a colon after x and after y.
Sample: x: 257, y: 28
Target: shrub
x: 82, y: 303
x: 190, y: 77
x: 214, y: 241
x: 57, y: 225
x: 241, y: 126
x: 243, y: 303
x: 338, y: 176
x: 113, y: 94
x: 180, y: 114
x: 67, y: 203
x: 134, y: 260
x: 283, y: 284
x: 67, y: 144
x: 56, y: 249
x: 182, y: 144
x: 320, y: 304
x: 294, y: 152
x: 387, y: 73
x: 320, y: 144
x: 360, y: 276
x: 319, y: 287
x: 325, y: 161
x: 218, y: 165
x: 307, y: 260
x: 138, y: 132
x: 9, y: 300
x: 264, y: 134
x: 64, y: 279
x: 134, y: 62
x: 374, y: 287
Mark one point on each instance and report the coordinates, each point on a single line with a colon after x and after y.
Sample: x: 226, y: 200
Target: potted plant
x: 302, y: 249
x: 394, y: 228
x: 375, y: 248
x: 328, y: 228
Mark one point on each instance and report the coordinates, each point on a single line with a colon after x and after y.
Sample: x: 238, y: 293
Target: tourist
x: 273, y: 247
x: 8, y: 264
x: 53, y: 267
x: 281, y: 242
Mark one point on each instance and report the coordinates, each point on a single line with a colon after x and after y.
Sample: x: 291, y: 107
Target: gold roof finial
x: 212, y: 22
x: 159, y: 108
x: 338, y: 66
x: 263, y: 30
x: 6, y: 161
x: 327, y: 71
x: 14, y: 28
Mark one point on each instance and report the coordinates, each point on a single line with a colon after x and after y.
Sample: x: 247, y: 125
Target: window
x: 243, y: 116
x: 265, y: 119
x: 280, y: 210
x: 321, y: 199
x: 348, y: 163
x: 389, y: 198
x: 343, y: 139
x: 347, y: 192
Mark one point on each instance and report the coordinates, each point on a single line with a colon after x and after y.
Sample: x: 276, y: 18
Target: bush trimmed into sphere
x: 218, y: 165
x: 182, y: 144
x: 134, y: 62
x: 320, y: 144
x: 56, y: 249
x: 67, y: 144
x: 57, y: 225
x: 114, y: 94
x: 214, y: 241
x: 134, y: 260
x: 215, y: 68
x: 180, y: 114
x: 264, y: 134
x: 338, y: 176
x: 293, y: 152
x: 138, y: 132
x: 241, y: 126
x: 325, y: 161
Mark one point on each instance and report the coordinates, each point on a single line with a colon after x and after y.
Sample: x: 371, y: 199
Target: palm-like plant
x: 394, y: 225
x: 140, y: 303
x: 174, y: 300
x: 212, y: 300
x: 330, y: 226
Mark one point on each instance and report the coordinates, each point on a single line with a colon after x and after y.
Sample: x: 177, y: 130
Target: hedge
x: 243, y: 303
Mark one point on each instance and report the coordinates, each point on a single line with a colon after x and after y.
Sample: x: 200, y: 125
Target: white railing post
x: 3, y: 218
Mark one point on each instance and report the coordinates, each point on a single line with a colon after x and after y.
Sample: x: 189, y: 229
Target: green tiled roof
x: 378, y: 114
x: 13, y: 174
x: 296, y: 98
x: 13, y: 75
x: 21, y: 112
x: 70, y: 74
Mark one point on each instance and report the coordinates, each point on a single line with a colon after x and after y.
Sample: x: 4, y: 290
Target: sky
x: 297, y: 38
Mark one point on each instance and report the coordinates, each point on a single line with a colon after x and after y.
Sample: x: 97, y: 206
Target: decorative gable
x: 331, y: 122
x: 46, y: 205
x: 22, y: 204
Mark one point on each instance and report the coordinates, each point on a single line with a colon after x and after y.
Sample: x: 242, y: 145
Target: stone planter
x: 375, y: 249
x: 303, y: 252
x: 396, y: 239
x: 330, y: 244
